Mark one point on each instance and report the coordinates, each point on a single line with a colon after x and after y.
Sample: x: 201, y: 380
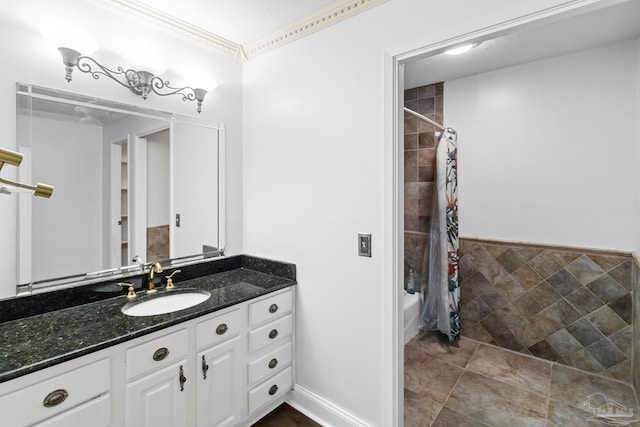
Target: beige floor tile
x: 566, y: 416
x: 419, y: 411
x: 571, y: 387
x: 431, y: 378
x: 497, y: 404
x: 512, y: 368
x: 436, y: 345
x: 498, y: 388
x: 449, y: 418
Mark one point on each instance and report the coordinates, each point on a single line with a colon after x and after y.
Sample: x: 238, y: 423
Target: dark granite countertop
x: 36, y: 342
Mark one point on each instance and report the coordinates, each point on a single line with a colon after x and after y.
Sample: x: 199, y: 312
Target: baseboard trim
x: 320, y: 410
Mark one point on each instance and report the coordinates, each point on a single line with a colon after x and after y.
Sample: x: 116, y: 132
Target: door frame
x: 394, y: 182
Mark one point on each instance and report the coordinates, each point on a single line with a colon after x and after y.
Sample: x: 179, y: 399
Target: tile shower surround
x: 158, y: 242
x: 419, y: 164
x: 635, y: 282
x: 569, y: 306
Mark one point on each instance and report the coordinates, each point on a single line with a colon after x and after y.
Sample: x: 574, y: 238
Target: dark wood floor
x: 285, y: 416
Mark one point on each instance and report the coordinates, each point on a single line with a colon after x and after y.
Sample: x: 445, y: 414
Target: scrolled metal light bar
x: 139, y: 82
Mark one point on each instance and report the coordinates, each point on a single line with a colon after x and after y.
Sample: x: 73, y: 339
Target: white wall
x: 544, y: 149
x: 67, y: 229
x: 637, y: 152
x: 34, y: 61
x: 197, y: 204
x: 317, y: 158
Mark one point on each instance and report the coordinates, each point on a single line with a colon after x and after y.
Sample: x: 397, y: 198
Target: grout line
x: 550, y: 366
x: 464, y: 369
x: 562, y: 297
x: 546, y: 394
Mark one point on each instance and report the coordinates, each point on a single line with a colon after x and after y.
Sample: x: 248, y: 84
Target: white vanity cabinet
x: 158, y: 399
x: 219, y: 370
x: 73, y: 394
x: 270, y: 349
x: 226, y: 368
x: 155, y: 392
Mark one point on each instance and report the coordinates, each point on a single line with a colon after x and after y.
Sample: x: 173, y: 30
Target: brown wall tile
x: 581, y: 312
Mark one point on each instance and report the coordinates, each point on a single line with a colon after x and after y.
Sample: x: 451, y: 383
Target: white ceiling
x: 562, y: 36
x: 241, y: 21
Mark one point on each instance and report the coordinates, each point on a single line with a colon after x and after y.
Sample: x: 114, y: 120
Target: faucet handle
x: 131, y: 292
x: 170, y: 280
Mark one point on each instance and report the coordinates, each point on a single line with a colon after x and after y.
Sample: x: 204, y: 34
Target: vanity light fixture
x: 14, y: 159
x: 139, y: 82
x: 458, y: 50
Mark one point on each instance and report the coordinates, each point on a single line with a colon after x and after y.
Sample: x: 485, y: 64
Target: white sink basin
x: 166, y: 302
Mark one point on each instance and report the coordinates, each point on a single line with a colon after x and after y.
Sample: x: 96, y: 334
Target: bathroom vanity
x: 224, y: 362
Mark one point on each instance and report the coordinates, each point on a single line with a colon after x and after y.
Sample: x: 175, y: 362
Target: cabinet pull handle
x: 54, y: 398
x: 182, y: 378
x: 222, y: 329
x: 273, y: 333
x: 273, y: 308
x: 205, y: 368
x: 160, y: 354
x: 273, y: 390
x: 273, y: 363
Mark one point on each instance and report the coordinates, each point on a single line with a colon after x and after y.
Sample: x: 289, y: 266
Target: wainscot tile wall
x: 158, y: 242
x: 419, y: 163
x: 564, y: 305
x: 635, y: 285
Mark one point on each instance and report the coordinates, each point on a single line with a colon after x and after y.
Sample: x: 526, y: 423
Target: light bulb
x: 460, y: 49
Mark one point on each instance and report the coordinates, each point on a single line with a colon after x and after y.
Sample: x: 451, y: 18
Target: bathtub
x: 412, y: 306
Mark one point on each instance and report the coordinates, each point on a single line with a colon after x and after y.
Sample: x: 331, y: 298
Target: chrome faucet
x: 155, y: 268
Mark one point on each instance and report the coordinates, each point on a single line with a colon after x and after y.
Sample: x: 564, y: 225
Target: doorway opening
x: 516, y: 112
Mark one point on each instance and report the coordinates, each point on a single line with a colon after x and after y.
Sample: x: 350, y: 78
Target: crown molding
x: 323, y: 18
x: 172, y: 23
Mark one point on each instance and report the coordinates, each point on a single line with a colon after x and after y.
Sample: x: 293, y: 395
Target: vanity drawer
x: 269, y: 390
x: 269, y: 364
x: 218, y: 329
x: 156, y: 353
x: 270, y: 333
x: 95, y: 413
x: 55, y: 395
x: 270, y: 308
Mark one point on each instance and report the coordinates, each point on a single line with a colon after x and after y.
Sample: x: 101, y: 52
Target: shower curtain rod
x: 428, y: 120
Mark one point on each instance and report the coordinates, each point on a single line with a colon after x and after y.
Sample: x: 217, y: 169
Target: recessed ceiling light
x: 460, y: 49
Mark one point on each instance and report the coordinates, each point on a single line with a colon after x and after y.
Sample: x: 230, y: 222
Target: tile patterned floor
x: 564, y: 306
x: 475, y: 384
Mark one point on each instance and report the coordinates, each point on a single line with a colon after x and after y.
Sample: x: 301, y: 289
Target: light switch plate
x: 364, y: 244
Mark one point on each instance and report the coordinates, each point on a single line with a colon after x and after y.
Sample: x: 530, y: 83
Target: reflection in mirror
x: 132, y: 186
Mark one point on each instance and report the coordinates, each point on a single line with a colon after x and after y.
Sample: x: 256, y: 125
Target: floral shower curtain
x: 441, y: 308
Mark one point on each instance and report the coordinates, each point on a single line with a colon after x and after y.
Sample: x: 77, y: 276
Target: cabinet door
x: 158, y: 399
x: 220, y: 383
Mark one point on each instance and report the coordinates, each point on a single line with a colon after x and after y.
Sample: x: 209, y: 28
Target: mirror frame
x: 30, y: 91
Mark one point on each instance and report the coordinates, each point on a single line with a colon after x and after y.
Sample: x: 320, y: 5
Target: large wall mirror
x: 132, y: 186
